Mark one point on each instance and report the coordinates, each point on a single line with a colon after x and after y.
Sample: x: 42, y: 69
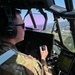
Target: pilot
x: 12, y: 31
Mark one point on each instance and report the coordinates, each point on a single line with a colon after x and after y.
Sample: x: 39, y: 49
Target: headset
x: 10, y: 30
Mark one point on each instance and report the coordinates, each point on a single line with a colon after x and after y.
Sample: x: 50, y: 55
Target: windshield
x: 50, y: 27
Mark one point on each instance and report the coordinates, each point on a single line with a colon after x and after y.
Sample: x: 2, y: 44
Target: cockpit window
x: 38, y: 18
x: 66, y: 35
x: 34, y: 19
x: 57, y: 2
x: 51, y: 27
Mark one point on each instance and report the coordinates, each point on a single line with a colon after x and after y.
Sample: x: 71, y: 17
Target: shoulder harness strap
x: 5, y: 56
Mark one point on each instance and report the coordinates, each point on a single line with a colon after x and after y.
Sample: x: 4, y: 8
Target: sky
x: 49, y: 14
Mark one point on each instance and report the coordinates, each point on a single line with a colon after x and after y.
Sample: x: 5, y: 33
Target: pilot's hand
x: 43, y: 52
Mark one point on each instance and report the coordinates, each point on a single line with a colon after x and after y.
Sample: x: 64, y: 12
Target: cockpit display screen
x: 33, y: 40
x: 65, y: 61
